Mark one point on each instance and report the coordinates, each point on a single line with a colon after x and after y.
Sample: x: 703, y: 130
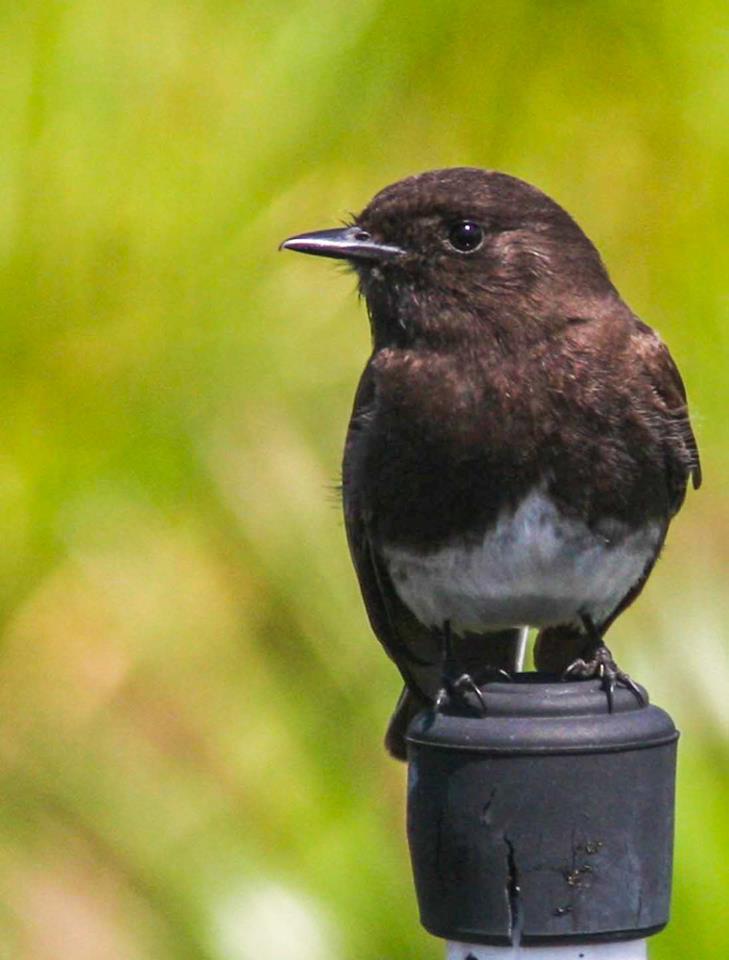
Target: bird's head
x: 455, y: 251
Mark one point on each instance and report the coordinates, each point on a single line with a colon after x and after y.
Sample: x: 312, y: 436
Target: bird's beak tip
x: 342, y: 243
x: 293, y: 243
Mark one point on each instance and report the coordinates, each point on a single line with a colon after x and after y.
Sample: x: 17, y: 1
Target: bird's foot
x: 457, y: 685
x: 462, y: 690
x: 602, y: 665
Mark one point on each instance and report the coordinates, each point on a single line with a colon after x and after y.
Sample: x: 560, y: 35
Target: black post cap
x: 549, y: 820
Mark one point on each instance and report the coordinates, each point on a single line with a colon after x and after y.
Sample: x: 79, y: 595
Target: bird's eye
x: 465, y: 236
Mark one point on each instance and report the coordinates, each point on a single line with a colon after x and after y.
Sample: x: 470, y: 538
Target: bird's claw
x: 501, y: 674
x: 456, y: 689
x: 603, y: 667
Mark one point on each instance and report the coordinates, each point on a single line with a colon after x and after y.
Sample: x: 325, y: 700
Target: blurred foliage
x: 191, y: 703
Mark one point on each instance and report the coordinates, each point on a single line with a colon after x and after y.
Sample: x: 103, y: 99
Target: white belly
x: 534, y: 568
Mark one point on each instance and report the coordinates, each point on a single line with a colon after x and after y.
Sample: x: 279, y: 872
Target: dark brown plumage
x: 513, y: 407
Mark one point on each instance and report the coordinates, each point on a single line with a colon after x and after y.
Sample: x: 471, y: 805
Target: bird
x: 519, y: 440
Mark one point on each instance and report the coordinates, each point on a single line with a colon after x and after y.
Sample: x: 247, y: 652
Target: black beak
x: 346, y: 243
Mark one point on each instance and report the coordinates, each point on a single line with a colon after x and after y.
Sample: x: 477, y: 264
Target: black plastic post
x: 547, y: 821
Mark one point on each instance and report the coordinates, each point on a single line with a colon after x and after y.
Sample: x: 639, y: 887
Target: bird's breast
x: 442, y: 448
x: 534, y: 566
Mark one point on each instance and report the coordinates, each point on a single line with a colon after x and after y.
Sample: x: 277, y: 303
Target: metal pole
x: 627, y: 950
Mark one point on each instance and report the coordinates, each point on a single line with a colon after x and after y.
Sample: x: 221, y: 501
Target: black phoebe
x: 519, y: 442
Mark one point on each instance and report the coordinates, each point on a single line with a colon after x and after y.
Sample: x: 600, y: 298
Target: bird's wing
x: 680, y: 449
x: 410, y: 645
x: 413, y: 647
x: 682, y: 453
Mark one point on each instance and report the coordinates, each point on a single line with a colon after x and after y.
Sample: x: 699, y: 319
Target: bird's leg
x: 598, y: 662
x: 455, y: 682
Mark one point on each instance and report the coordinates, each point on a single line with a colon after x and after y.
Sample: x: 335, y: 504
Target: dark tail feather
x: 407, y: 706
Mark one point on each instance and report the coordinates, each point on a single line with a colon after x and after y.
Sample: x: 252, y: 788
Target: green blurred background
x: 191, y: 703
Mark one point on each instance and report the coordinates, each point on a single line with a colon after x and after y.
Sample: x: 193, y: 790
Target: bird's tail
x: 407, y: 706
